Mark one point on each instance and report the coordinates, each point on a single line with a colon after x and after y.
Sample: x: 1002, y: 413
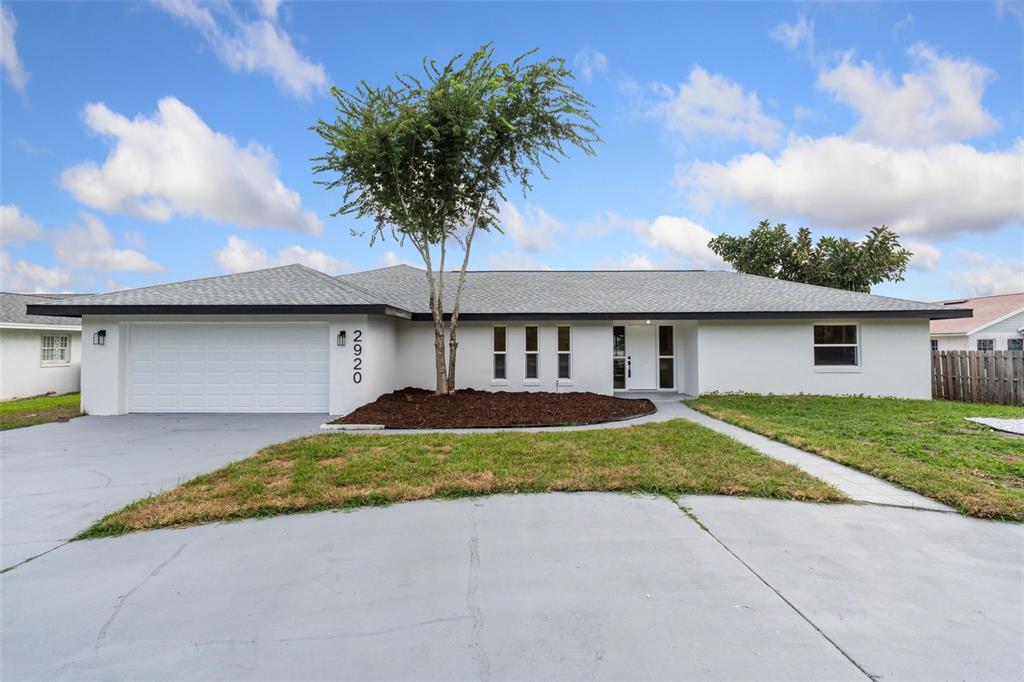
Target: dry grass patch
x: 336, y: 471
x: 924, y: 445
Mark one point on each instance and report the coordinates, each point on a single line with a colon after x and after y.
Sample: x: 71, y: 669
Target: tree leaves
x: 837, y: 262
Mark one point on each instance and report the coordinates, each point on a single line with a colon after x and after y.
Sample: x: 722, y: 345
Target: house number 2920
x: 357, y: 360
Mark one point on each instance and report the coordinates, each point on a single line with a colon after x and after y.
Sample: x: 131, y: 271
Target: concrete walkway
x: 854, y: 484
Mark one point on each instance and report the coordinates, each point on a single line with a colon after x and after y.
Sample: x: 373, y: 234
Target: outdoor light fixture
x: 99, y: 338
x: 341, y: 338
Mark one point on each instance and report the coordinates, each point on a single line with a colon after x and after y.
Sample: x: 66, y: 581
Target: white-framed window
x: 986, y: 344
x: 565, y: 352
x: 532, y: 353
x: 618, y: 357
x: 935, y: 344
x: 1014, y: 344
x: 500, y: 368
x: 666, y: 357
x: 836, y: 345
x: 55, y: 349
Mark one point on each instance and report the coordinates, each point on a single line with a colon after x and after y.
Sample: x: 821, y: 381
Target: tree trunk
x: 439, y: 368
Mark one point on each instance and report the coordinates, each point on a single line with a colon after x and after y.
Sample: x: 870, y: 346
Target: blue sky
x: 145, y: 143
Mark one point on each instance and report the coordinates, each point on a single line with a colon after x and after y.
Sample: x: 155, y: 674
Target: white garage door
x: 228, y: 368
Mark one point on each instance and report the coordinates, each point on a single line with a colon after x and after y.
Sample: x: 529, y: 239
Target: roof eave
x: 72, y: 310
x: 706, y: 315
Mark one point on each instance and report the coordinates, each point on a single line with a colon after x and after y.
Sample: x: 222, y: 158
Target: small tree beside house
x: 428, y: 159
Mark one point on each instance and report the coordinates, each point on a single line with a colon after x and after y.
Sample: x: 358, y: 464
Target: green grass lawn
x: 30, y: 411
x: 923, y: 445
x: 334, y: 471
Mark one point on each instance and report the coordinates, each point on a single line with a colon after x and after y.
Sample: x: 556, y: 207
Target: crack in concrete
x: 693, y: 517
x: 33, y: 557
x: 102, y: 635
x: 473, y: 604
x: 342, y: 636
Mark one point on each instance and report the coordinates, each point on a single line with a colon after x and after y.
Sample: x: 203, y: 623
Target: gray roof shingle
x: 281, y: 286
x: 627, y: 292
x: 503, y: 293
x: 12, y: 310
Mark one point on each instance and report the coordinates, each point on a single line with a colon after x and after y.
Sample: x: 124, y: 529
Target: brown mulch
x: 416, y: 408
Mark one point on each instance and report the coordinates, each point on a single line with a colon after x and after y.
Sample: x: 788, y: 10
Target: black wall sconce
x: 99, y: 338
x: 341, y: 338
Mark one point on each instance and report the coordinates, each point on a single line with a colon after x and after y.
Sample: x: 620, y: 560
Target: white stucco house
x: 291, y: 339
x: 997, y: 324
x: 38, y: 353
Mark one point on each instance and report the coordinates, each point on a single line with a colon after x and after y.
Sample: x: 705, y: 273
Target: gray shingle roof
x: 282, y: 286
x: 628, y: 292
x: 501, y: 293
x: 12, y: 310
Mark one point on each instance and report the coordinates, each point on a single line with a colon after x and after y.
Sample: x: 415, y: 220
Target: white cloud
x: 15, y: 226
x: 174, y: 163
x: 835, y: 182
x: 710, y: 104
x: 606, y: 222
x: 249, y: 45
x: 22, y: 276
x: 90, y: 246
x: 391, y: 258
x: 514, y: 260
x: 902, y: 24
x: 938, y: 102
x: 683, y: 238
x: 533, y: 229
x: 925, y: 257
x: 9, y: 60
x: 29, y: 148
x: 792, y: 36
x: 629, y: 261
x: 240, y: 255
x: 987, y: 275
x: 590, y: 62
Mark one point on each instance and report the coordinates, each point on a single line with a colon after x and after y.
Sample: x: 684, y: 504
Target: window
x: 532, y: 370
x: 564, y: 353
x: 499, y: 373
x: 986, y: 344
x: 666, y: 357
x: 935, y: 344
x: 1014, y: 344
x: 56, y: 350
x: 618, y: 358
x: 835, y: 345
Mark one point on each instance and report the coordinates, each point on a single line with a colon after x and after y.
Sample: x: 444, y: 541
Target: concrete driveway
x: 559, y: 586
x: 56, y: 479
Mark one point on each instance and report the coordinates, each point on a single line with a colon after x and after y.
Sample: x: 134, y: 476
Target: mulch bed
x: 416, y: 408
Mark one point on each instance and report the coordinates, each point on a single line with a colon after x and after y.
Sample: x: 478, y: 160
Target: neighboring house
x: 292, y: 339
x: 38, y: 353
x: 997, y: 324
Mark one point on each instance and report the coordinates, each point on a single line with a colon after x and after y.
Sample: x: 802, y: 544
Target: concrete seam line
x: 693, y: 517
x: 31, y: 558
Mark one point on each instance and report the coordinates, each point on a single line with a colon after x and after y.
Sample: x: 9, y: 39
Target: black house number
x: 357, y: 351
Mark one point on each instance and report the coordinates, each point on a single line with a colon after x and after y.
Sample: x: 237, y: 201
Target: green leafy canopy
x: 427, y: 158
x: 840, y: 263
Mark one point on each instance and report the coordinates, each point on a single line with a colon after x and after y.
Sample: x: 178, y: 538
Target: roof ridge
x: 964, y: 299
x: 366, y: 295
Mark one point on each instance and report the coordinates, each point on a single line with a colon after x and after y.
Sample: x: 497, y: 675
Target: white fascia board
x: 58, y: 328
x: 996, y: 321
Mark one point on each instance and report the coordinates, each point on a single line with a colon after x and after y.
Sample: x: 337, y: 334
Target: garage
x: 228, y: 367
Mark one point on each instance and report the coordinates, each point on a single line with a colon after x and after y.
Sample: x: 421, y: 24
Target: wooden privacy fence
x: 979, y: 376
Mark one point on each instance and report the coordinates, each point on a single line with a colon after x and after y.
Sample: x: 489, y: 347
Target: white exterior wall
x: 591, y: 357
x: 999, y: 332
x: 22, y: 372
x: 687, y: 343
x: 777, y: 357
x: 105, y: 380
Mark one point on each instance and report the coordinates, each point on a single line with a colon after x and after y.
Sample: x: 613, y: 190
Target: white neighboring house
x: 38, y: 353
x: 292, y: 339
x: 997, y: 324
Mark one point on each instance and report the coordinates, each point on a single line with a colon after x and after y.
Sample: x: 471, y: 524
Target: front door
x: 641, y: 357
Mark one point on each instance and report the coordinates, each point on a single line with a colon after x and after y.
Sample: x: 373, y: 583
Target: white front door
x: 641, y: 357
x: 228, y: 368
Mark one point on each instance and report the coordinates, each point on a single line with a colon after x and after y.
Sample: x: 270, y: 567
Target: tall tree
x: 428, y: 158
x: 837, y: 262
